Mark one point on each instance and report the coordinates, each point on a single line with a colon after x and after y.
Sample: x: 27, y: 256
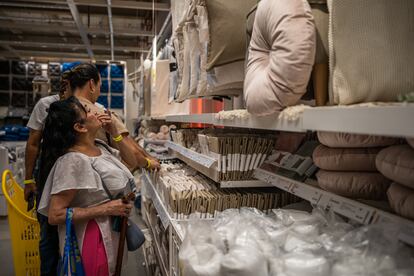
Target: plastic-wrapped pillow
x: 397, y: 163
x: 201, y: 260
x: 298, y: 264
x: 401, y: 200
x: 244, y: 261
x: 362, y: 185
x: 348, y: 140
x: 342, y: 159
x: 281, y: 55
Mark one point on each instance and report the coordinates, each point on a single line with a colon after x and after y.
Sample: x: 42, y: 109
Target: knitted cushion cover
x: 371, y: 50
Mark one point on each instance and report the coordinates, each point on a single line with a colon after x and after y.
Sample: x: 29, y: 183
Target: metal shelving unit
x: 388, y: 120
x: 355, y: 210
x: 272, y: 122
x: 208, y: 166
x: 396, y: 120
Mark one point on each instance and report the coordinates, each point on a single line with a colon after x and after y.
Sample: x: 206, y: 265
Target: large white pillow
x: 281, y: 55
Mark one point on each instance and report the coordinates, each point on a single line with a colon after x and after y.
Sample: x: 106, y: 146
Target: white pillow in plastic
x: 301, y: 264
x: 244, y: 261
x: 288, y: 217
x: 281, y: 55
x: 296, y: 243
x: 309, y: 230
x: 201, y: 260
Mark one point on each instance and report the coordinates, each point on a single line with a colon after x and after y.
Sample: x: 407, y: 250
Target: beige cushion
x: 410, y: 141
x: 371, y: 50
x: 397, y: 163
x: 401, y: 200
x: 363, y: 185
x: 226, y: 20
x: 347, y: 140
x: 281, y: 55
x: 340, y: 159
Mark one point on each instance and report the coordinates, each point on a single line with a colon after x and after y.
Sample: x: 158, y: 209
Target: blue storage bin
x: 117, y: 102
x: 103, y: 70
x: 117, y: 86
x: 69, y: 65
x: 103, y: 100
x: 117, y: 71
x: 15, y: 133
x: 104, y: 86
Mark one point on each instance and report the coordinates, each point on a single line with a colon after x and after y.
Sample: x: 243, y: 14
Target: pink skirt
x: 94, y: 259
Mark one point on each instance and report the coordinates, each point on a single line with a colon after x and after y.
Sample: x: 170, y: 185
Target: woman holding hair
x: 85, y: 84
x: 77, y: 170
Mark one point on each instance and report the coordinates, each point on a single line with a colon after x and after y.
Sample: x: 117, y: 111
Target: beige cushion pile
x: 397, y: 164
x: 348, y: 165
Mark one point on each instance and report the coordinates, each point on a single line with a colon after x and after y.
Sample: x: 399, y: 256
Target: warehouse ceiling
x: 47, y: 30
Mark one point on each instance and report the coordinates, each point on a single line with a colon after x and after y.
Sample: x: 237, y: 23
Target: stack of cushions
x: 347, y: 163
x: 281, y: 56
x: 209, y: 40
x: 397, y: 164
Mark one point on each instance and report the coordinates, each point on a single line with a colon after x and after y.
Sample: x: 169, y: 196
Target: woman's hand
x: 117, y: 208
x: 154, y: 164
x: 107, y: 123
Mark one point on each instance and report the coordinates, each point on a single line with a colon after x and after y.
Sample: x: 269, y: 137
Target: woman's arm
x: 61, y: 201
x: 124, y: 147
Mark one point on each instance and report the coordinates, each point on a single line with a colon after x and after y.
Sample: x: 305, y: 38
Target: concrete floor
x: 135, y: 265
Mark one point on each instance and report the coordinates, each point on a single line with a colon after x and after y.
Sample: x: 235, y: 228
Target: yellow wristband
x: 29, y: 181
x: 118, y: 138
x: 148, y: 163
